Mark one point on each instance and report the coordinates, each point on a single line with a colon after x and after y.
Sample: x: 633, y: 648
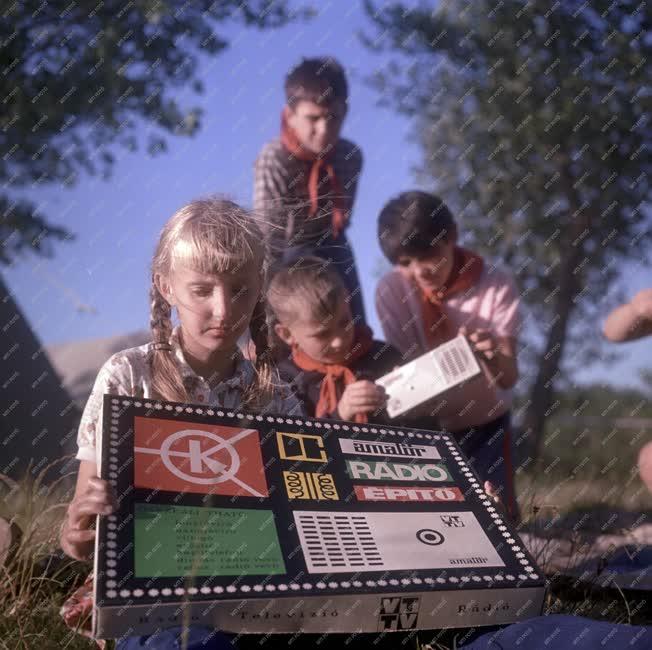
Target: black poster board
x: 267, y: 523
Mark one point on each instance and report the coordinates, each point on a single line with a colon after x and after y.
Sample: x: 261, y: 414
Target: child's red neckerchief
x: 466, y: 272
x: 291, y: 142
x: 333, y: 373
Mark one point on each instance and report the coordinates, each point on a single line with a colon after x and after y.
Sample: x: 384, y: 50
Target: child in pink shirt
x: 436, y: 291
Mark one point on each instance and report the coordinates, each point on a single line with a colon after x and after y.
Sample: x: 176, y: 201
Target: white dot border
x: 406, y: 583
x: 151, y: 404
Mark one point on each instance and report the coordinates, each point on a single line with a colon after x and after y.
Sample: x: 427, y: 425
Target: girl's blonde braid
x: 167, y: 382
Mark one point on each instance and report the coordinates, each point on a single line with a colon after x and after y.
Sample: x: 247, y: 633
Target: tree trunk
x: 541, y: 393
x: 571, y: 252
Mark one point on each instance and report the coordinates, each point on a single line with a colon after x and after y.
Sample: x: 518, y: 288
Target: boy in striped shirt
x: 306, y: 179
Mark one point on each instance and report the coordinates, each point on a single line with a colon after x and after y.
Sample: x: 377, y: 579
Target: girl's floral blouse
x: 128, y: 373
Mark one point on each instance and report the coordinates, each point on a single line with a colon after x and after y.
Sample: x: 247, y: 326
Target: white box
x: 429, y: 375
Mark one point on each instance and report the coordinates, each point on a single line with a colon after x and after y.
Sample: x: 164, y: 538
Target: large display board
x: 266, y: 523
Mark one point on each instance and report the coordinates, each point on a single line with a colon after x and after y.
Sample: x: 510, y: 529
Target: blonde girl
x: 209, y: 265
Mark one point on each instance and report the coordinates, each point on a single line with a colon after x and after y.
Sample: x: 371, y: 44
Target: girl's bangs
x: 210, y: 249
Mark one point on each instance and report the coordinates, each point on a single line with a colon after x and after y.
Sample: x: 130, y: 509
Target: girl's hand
x: 361, y: 397
x: 482, y: 341
x: 492, y: 493
x: 77, y: 537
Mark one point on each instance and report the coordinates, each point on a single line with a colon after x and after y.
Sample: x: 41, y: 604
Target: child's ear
x: 288, y: 114
x: 284, y: 334
x: 164, y: 287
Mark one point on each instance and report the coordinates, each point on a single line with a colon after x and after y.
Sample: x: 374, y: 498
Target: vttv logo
x: 189, y: 457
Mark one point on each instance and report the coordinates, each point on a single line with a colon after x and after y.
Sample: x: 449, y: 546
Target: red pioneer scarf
x: 334, y: 373
x: 291, y: 142
x: 466, y: 271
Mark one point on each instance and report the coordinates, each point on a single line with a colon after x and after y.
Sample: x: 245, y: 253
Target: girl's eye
x: 201, y: 293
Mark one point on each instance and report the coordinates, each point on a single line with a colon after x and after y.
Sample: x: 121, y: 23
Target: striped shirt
x: 281, y: 199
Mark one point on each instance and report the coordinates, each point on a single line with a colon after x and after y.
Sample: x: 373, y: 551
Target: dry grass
x: 36, y: 580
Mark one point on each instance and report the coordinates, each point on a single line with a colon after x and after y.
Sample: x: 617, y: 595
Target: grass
x: 37, y: 580
x: 582, y: 487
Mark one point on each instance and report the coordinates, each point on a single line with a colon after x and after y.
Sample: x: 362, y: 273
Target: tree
x: 80, y: 78
x: 533, y: 121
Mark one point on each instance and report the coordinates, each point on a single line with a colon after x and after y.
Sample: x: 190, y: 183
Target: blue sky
x: 117, y: 221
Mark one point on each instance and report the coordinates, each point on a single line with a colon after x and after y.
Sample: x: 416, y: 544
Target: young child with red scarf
x: 333, y: 361
x: 436, y: 291
x: 305, y: 180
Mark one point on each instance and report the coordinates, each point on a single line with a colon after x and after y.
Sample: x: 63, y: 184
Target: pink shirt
x: 491, y: 304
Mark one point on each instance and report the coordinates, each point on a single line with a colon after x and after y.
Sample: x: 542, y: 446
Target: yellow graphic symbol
x: 310, y: 485
x: 301, y: 446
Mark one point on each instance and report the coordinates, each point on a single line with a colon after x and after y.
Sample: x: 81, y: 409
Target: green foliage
x: 23, y: 228
x: 79, y: 79
x: 533, y: 118
x: 595, y: 432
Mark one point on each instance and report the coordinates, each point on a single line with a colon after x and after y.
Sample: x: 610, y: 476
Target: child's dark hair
x: 307, y: 286
x: 321, y: 81
x: 412, y: 224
